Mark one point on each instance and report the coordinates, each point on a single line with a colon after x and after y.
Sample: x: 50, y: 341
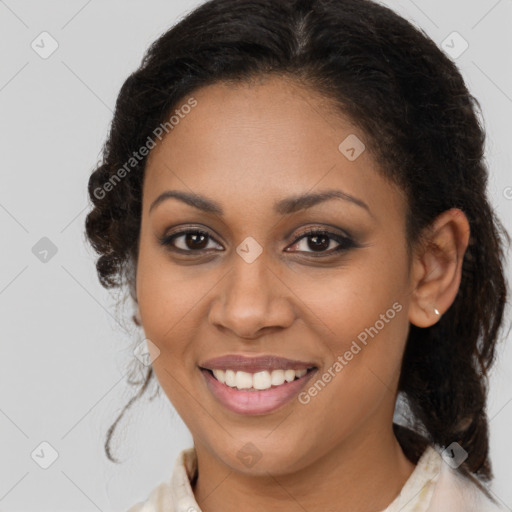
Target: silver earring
x: 436, y: 311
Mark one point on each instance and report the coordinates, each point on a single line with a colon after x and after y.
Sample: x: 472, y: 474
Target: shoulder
x: 175, y: 494
x: 456, y: 493
x: 158, y: 500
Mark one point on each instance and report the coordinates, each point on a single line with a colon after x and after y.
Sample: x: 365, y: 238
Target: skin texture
x: 246, y: 147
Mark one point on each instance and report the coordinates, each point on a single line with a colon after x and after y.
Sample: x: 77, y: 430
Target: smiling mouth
x: 259, y: 393
x: 257, y: 381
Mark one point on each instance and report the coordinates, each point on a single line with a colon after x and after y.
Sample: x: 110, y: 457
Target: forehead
x: 262, y: 141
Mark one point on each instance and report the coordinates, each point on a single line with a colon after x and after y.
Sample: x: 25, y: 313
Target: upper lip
x: 254, y: 364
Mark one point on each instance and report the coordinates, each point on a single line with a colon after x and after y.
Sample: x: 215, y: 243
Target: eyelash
x: 345, y: 243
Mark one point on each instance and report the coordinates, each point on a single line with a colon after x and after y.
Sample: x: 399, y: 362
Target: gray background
x: 65, y: 349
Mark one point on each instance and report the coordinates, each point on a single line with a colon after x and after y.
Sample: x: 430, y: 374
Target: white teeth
x: 230, y: 378
x: 289, y: 375
x: 277, y: 377
x: 220, y: 375
x: 243, y: 380
x: 259, y: 380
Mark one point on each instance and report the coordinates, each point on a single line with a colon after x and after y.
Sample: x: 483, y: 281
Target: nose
x: 252, y: 300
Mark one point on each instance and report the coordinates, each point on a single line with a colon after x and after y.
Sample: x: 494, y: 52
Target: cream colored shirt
x: 433, y: 486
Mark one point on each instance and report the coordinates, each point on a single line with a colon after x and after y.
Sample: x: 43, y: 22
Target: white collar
x: 433, y: 486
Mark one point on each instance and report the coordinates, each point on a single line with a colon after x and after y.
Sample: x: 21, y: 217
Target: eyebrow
x: 283, y: 207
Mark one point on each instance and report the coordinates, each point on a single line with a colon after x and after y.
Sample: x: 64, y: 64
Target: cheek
x: 164, y: 293
x: 363, y: 313
x: 173, y: 302
x: 166, y: 303
x: 351, y: 298
x: 362, y: 370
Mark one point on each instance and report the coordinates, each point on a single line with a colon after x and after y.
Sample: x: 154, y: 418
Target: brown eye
x: 189, y: 240
x: 318, y: 241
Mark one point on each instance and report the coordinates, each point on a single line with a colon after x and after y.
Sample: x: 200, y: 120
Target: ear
x: 436, y: 267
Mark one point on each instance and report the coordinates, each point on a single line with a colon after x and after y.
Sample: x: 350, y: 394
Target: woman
x: 294, y: 193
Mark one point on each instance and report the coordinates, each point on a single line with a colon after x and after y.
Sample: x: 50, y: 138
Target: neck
x: 365, y: 472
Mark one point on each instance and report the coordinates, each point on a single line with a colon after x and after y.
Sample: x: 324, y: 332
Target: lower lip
x: 255, y: 402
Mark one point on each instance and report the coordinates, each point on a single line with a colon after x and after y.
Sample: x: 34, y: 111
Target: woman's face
x: 252, y: 283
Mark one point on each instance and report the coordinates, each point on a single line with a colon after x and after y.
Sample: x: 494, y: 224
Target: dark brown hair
x: 421, y: 125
